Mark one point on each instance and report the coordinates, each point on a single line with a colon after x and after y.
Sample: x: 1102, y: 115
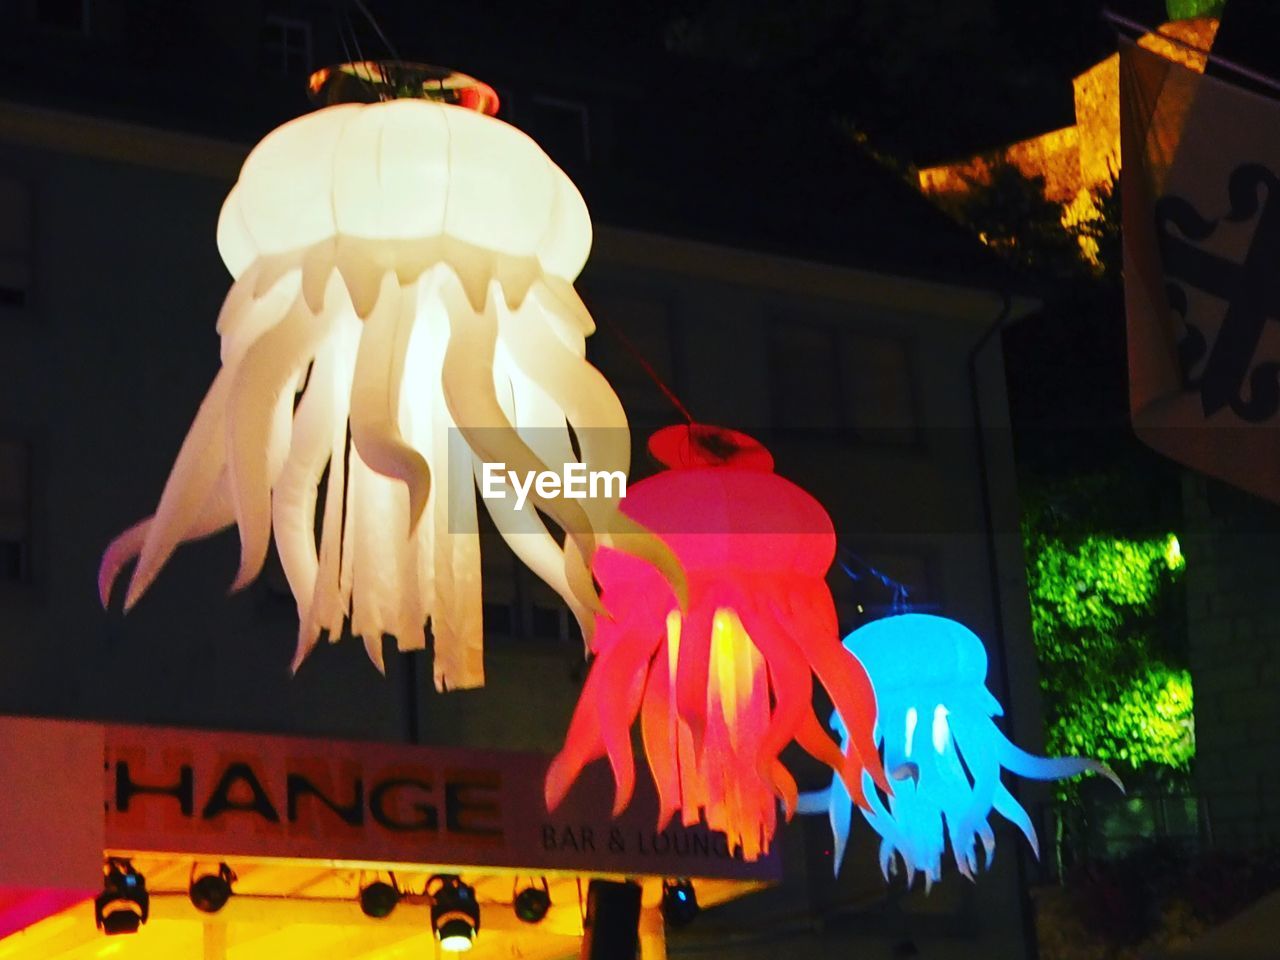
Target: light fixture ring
x: 375, y: 81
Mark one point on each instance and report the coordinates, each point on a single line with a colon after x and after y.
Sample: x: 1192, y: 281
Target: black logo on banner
x: 1251, y: 290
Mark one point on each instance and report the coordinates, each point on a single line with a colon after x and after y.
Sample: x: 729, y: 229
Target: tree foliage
x: 1107, y: 647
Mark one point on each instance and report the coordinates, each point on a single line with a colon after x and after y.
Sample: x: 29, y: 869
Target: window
x: 15, y: 511
x: 15, y: 244
x: 830, y: 379
x: 69, y: 16
x: 517, y: 605
x: 806, y: 381
x: 498, y: 574
x: 877, y: 396
x: 547, y: 618
x: 646, y: 325
x: 286, y: 45
x: 561, y: 127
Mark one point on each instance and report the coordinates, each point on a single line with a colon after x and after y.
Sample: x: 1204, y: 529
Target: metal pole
x: 215, y: 940
x: 1117, y: 20
x: 653, y: 934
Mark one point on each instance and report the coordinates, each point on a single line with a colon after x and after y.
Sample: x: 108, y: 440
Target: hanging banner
x: 225, y: 795
x: 1201, y: 227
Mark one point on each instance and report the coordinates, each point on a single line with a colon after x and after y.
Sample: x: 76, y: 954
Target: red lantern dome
x: 724, y: 686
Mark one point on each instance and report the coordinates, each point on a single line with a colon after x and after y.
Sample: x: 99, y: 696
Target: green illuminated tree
x: 1104, y: 621
x: 1185, y: 9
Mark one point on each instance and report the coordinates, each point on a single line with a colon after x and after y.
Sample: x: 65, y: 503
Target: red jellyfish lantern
x: 725, y: 685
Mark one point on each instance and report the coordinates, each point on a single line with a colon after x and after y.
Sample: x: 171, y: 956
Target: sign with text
x: 214, y: 794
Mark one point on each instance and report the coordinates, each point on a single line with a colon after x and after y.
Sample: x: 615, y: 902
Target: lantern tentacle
x: 125, y: 547
x: 457, y: 608
x: 214, y: 515
x: 969, y: 738
x: 1024, y: 764
x: 195, y: 472
x: 611, y: 697
x: 541, y: 424
x: 578, y: 575
x: 658, y: 733
x: 327, y: 607
x: 376, y: 394
x: 236, y: 306
x: 381, y: 544
x: 582, y: 744
x: 539, y: 421
x: 693, y: 665
x: 259, y: 423
x: 791, y: 682
x: 1008, y: 807
x: 619, y: 672
x: 575, y: 386
x: 558, y: 297
x: 248, y: 312
x: 850, y: 691
x: 960, y: 831
x: 631, y: 537
x: 988, y: 838
x: 815, y: 742
x: 533, y: 545
x: 293, y: 501
x: 544, y: 357
x: 473, y: 403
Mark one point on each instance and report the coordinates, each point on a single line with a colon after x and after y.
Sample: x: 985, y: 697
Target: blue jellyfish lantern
x: 941, y: 747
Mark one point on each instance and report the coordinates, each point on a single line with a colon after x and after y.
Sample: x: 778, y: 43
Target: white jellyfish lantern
x: 402, y: 310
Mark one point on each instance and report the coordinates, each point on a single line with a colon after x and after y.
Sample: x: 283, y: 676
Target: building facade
x: 882, y: 394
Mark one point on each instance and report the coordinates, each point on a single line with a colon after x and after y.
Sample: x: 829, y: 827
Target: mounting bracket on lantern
x: 375, y: 81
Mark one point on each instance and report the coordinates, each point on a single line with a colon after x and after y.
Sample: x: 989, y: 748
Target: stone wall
x: 1232, y: 545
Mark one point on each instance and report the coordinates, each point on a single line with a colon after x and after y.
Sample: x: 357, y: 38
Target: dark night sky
x: 728, y: 120
x: 778, y: 124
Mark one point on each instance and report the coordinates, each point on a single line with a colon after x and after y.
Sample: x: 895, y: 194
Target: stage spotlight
x: 378, y: 899
x: 532, y: 903
x: 123, y: 906
x: 210, y: 893
x: 679, y: 902
x: 455, y: 914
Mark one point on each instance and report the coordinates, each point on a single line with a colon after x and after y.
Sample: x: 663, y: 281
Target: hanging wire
x: 354, y: 34
x: 1117, y: 21
x: 347, y: 29
x: 647, y: 367
x: 377, y: 28
x: 845, y: 557
x: 342, y: 33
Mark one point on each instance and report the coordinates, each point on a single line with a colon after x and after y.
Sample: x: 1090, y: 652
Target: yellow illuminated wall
x: 1077, y: 161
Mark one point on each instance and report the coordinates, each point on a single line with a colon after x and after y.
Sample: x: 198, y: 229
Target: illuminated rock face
x: 402, y: 310
x: 1075, y: 162
x: 941, y: 747
x: 724, y: 685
